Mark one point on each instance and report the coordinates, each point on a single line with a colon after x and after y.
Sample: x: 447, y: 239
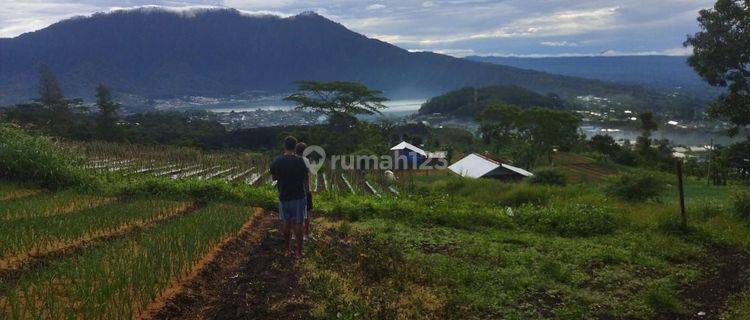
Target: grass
x: 577, y: 253
x: 28, y: 158
x: 117, y: 280
x: 388, y: 268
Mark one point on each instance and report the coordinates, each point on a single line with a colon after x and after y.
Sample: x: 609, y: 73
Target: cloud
x: 559, y: 44
x: 376, y: 6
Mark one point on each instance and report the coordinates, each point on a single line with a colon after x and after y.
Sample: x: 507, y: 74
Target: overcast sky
x: 455, y: 27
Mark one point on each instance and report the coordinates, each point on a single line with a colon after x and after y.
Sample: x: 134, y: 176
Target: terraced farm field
x: 137, y: 161
x: 582, y: 169
x: 74, y: 255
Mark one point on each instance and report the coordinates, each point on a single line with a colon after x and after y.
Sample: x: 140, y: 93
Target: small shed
x: 477, y: 166
x: 413, y: 155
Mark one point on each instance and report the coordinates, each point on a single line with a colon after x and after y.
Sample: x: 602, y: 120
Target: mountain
x: 159, y: 53
x: 666, y: 72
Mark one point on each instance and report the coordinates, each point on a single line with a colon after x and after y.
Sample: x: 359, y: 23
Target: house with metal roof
x: 412, y: 156
x: 477, y: 166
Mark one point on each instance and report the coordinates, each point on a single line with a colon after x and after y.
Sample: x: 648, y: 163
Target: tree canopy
x: 337, y: 98
x: 107, y: 119
x: 721, y: 55
x: 531, y: 132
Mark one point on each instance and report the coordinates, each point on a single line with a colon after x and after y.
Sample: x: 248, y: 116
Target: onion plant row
x: 10, y: 191
x: 47, y: 205
x: 118, y: 280
x: 37, y: 234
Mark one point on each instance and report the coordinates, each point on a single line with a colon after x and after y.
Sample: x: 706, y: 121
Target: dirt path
x: 247, y: 279
x: 725, y: 272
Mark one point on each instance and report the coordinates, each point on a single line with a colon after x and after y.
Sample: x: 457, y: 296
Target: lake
x: 401, y: 107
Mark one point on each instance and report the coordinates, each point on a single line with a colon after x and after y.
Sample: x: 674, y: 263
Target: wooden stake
x: 680, y: 186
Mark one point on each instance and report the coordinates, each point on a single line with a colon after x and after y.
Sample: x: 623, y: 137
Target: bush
x: 523, y: 195
x: 443, y: 211
x: 549, y: 177
x: 27, y: 158
x: 490, y: 192
x: 570, y: 220
x: 204, y: 191
x: 741, y: 203
x: 640, y: 186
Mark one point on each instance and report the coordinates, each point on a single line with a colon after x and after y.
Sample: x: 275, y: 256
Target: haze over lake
x: 404, y: 107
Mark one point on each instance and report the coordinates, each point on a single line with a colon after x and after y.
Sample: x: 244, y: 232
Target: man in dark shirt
x: 290, y: 173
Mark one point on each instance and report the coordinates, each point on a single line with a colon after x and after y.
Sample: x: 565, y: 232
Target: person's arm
x: 306, y: 177
x: 272, y: 170
x: 309, y: 174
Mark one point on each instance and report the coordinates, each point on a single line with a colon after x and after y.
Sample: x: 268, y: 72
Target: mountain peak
x: 162, y: 52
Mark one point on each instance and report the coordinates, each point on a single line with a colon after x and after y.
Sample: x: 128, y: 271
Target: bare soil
x: 725, y: 273
x: 250, y: 278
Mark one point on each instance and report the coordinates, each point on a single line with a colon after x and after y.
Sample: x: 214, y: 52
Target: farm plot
x: 119, y: 280
x: 176, y: 163
x: 12, y: 191
x: 24, y: 238
x: 371, y: 182
x: 47, y: 205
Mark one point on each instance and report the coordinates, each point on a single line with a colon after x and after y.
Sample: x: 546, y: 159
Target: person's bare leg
x: 288, y: 236
x: 298, y: 231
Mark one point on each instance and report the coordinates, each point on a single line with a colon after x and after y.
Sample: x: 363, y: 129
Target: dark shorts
x: 294, y: 211
x: 309, y: 202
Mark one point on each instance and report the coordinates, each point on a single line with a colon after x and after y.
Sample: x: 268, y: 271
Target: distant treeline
x: 469, y: 102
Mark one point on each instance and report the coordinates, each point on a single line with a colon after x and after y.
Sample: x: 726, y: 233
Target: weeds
x: 570, y: 220
x: 26, y: 158
x: 638, y: 186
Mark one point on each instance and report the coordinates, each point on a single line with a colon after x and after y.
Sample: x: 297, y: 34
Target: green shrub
x: 549, y: 177
x: 204, y: 191
x: 710, y: 209
x: 570, y: 220
x: 741, y: 203
x: 432, y: 210
x: 639, y: 186
x: 27, y: 158
x: 523, y: 195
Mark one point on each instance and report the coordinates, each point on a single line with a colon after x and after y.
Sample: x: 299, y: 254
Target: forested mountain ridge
x: 666, y: 72
x: 158, y: 53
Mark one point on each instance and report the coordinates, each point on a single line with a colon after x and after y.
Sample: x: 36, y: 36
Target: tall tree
x: 49, y: 90
x: 51, y: 96
x: 107, y: 119
x: 337, y: 98
x: 548, y: 129
x: 498, y: 123
x: 643, y: 142
x: 721, y: 55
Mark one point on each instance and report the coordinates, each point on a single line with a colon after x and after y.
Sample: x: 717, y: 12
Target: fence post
x: 681, y: 188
